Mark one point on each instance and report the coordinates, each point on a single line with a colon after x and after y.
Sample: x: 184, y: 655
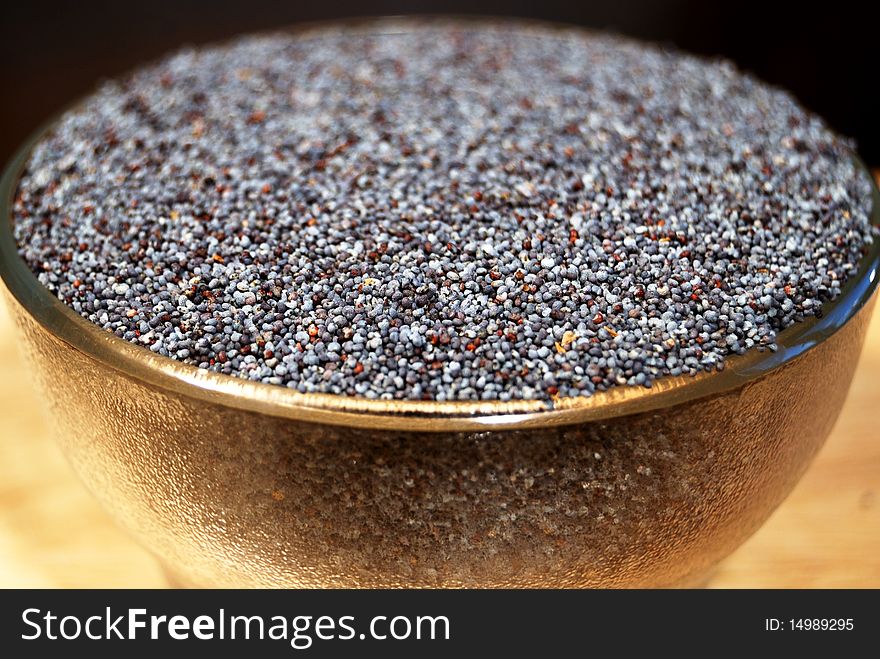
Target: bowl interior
x: 166, y: 373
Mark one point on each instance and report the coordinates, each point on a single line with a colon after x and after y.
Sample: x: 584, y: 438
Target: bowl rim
x: 137, y: 362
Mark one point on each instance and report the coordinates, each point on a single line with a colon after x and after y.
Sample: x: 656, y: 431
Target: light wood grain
x: 53, y: 534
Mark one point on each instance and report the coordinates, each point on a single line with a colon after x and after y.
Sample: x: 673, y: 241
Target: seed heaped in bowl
x: 448, y: 213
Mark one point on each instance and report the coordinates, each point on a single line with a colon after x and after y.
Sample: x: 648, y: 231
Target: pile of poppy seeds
x: 443, y: 211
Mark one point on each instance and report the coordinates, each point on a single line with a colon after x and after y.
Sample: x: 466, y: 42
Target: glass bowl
x: 232, y: 483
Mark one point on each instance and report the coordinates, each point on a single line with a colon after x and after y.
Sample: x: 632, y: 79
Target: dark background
x: 51, y: 53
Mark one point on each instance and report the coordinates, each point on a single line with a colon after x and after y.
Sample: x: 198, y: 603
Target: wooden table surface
x: 53, y: 534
